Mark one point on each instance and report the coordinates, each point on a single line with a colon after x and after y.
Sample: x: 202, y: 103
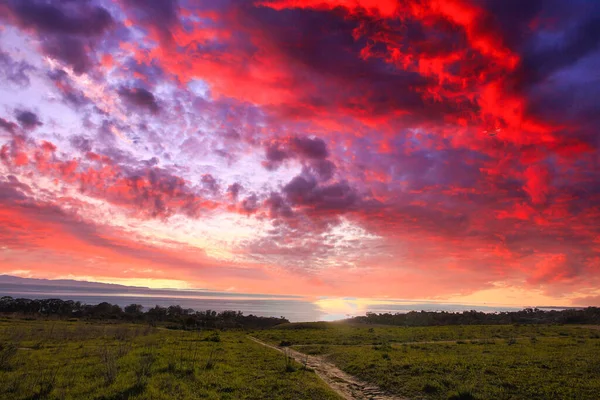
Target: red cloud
x: 145, y: 191
x: 537, y: 183
x: 422, y: 146
x: 384, y: 8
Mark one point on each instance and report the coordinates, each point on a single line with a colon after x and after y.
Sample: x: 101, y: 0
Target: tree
x: 134, y: 309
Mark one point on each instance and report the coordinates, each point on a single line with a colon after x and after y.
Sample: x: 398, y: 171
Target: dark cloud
x: 151, y: 162
x: 16, y: 72
x: 161, y: 11
x: 8, y: 126
x: 577, y: 43
x: 304, y: 191
x: 514, y: 17
x: 324, y: 46
x: 68, y: 30
x: 300, y: 189
x: 149, y: 72
x: 81, y: 143
x: 106, y: 136
x: 309, y: 148
x: 62, y: 17
x: 11, y: 190
x: 250, y: 204
x: 234, y: 190
x: 278, y: 207
x: 70, y: 95
x: 70, y: 50
x: 161, y: 15
x: 275, y: 154
x: 27, y: 119
x: 210, y: 183
x: 324, y: 169
x: 303, y: 148
x: 140, y: 98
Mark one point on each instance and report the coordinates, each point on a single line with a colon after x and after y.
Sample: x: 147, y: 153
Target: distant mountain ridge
x: 17, y: 280
x: 10, y: 284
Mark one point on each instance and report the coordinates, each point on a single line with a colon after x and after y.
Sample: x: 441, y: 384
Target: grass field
x: 458, y: 362
x: 79, y: 360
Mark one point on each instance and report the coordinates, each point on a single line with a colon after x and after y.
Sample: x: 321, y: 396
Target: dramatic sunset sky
x: 427, y: 149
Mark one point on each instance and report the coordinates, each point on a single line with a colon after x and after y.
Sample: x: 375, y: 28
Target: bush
x: 433, y: 387
x: 304, y: 325
x: 213, y: 337
x: 210, y: 363
x: 7, y: 353
x: 110, y: 368
x: 463, y: 394
x: 533, y: 340
x: 289, y: 362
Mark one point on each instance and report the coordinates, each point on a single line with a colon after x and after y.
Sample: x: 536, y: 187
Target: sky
x: 438, y: 150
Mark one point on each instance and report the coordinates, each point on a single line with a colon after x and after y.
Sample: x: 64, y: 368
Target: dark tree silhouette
x: 172, y: 316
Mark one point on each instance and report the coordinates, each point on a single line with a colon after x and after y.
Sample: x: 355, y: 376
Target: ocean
x: 294, y: 308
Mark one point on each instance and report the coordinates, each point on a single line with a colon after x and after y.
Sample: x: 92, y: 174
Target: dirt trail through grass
x: 345, y: 385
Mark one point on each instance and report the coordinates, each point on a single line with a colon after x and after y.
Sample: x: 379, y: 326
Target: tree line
x: 589, y: 315
x: 172, y: 316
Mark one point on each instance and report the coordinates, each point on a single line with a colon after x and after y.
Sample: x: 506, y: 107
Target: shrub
x: 533, y: 340
x: 144, y: 367
x: 463, y: 394
x: 109, y: 364
x: 47, y: 383
x: 7, y: 354
x: 432, y: 387
x: 304, y: 325
x: 213, y: 337
x: 210, y: 363
x: 289, y: 362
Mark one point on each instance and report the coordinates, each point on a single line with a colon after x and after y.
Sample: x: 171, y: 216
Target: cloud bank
x: 409, y: 149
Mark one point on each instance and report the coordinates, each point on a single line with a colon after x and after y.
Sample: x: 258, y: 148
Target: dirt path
x: 343, y: 384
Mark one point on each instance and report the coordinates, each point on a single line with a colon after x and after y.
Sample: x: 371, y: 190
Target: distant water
x: 293, y: 308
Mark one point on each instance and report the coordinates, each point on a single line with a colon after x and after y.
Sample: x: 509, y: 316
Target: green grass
x: 339, y: 333
x: 469, y: 362
x: 78, y: 360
